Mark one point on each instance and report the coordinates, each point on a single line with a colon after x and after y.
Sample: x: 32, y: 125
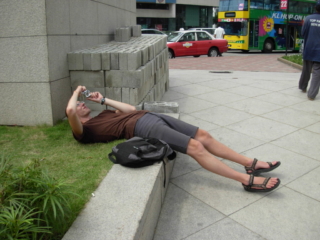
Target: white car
x: 152, y: 31
x: 209, y: 30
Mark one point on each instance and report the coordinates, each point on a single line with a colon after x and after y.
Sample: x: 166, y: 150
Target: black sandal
x: 251, y: 186
x: 253, y: 171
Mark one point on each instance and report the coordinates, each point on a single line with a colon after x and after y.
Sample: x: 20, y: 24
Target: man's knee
x: 195, y: 147
x: 203, y: 136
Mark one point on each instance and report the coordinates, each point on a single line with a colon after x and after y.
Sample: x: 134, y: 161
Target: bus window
x: 265, y: 4
x: 233, y: 5
x: 235, y: 28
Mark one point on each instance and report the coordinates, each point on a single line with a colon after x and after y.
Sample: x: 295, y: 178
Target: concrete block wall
x: 133, y: 70
x: 35, y: 37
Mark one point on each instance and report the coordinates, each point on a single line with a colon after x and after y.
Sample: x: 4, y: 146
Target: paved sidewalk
x: 254, y: 62
x: 259, y: 114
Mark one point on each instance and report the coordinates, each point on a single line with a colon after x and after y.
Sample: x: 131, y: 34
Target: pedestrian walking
x: 311, y: 53
x: 219, y: 34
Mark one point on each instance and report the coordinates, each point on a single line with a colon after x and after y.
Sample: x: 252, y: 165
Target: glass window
x: 152, y: 6
x: 173, y: 37
x: 203, y: 36
x: 187, y: 37
x: 161, y: 24
x: 233, y: 5
x: 235, y: 28
x: 301, y: 7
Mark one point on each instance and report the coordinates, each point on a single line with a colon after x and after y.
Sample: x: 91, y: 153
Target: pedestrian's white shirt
x: 219, y: 32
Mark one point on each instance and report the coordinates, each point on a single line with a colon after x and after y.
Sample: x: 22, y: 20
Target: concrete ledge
x: 290, y: 63
x: 126, y: 204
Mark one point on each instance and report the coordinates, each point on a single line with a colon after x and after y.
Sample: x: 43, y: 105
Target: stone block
x: 87, y: 78
x: 91, y: 61
x: 114, y: 94
x: 36, y: 107
x: 134, y: 96
x: 114, y: 57
x: 132, y: 79
x: 95, y: 106
x: 95, y: 61
x: 86, y: 61
x: 105, y: 61
x: 60, y: 93
x: 113, y: 78
x: 123, y: 60
x: 144, y: 55
x: 136, y: 31
x: 24, y: 59
x: 117, y: 94
x: 75, y: 61
x: 134, y: 59
x: 151, y: 52
x: 161, y: 107
x: 122, y: 34
x: 22, y: 19
x: 139, y: 106
x: 125, y: 95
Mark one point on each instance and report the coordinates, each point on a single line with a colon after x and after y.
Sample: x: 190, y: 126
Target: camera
x: 86, y: 93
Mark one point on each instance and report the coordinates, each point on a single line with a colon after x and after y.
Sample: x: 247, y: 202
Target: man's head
x: 82, y: 110
x: 317, y: 7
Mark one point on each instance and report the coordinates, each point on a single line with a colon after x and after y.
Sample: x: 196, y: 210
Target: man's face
x: 82, y: 109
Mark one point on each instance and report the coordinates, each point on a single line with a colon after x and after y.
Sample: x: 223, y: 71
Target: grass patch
x: 297, y: 58
x: 81, y: 165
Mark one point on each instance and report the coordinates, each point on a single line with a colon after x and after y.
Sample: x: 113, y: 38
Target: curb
x: 290, y: 63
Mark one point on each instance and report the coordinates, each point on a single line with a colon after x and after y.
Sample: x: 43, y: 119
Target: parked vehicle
x: 209, y: 30
x: 195, y: 43
x: 152, y: 31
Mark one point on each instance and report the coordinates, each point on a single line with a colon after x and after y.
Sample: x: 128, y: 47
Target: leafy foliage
x: 33, y: 204
x: 82, y: 166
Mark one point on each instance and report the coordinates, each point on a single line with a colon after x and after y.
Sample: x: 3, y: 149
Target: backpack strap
x: 112, y: 158
x: 164, y: 173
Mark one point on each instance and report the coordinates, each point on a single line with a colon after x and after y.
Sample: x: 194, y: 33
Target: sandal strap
x: 251, y: 185
x: 252, y: 167
x: 251, y: 180
x: 263, y: 185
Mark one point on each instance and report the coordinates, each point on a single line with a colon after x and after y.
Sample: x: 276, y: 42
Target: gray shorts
x: 171, y: 130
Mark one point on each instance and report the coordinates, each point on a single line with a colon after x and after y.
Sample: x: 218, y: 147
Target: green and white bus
x: 261, y: 24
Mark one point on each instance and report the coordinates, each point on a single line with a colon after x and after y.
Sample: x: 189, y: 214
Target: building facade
x: 171, y: 15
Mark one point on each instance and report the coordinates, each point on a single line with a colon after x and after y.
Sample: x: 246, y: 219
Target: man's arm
x: 71, y: 111
x: 120, y: 106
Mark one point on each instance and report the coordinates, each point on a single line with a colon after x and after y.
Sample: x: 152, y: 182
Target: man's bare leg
x: 212, y: 164
x: 220, y: 150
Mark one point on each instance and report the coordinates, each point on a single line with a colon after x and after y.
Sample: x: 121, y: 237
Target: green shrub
x: 33, y: 204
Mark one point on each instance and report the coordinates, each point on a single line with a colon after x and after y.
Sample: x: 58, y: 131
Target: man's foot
x: 311, y: 99
x: 258, y: 167
x: 260, y: 184
x: 303, y: 90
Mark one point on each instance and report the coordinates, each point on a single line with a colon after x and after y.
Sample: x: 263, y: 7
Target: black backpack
x: 139, y: 152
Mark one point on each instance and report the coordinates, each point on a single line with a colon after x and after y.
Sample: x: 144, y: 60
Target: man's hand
x: 80, y: 89
x: 95, y: 97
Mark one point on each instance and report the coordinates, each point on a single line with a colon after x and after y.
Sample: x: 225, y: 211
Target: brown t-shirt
x: 109, y: 126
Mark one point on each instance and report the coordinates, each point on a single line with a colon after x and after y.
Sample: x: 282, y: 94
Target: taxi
x: 195, y: 43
